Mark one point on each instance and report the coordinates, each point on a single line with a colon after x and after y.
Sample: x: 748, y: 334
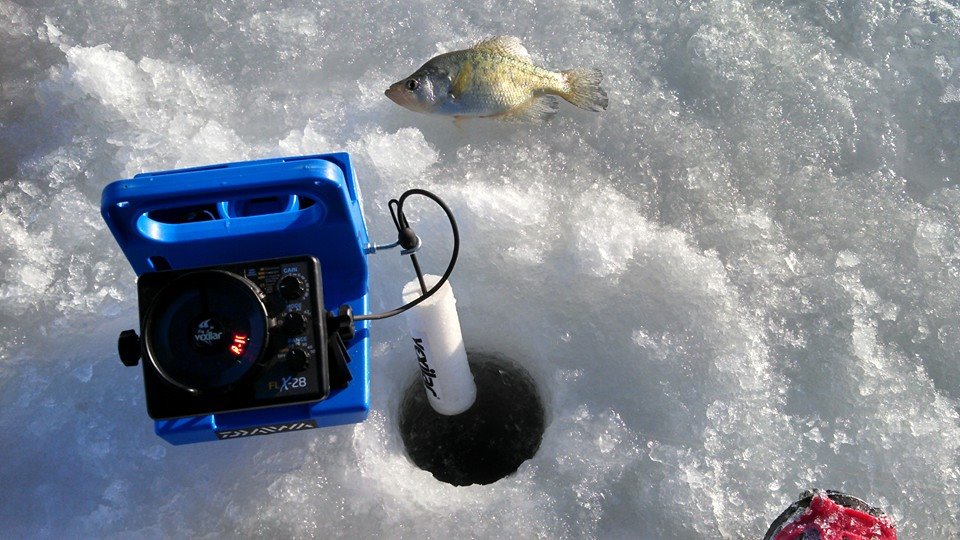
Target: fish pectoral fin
x: 536, y: 108
x: 505, y: 45
x: 462, y: 82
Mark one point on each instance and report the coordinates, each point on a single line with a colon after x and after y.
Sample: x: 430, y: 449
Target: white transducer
x: 438, y: 342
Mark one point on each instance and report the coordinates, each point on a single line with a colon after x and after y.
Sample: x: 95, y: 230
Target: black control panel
x: 234, y: 337
x: 287, y: 287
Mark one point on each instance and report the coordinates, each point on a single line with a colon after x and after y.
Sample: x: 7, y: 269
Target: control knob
x: 291, y: 287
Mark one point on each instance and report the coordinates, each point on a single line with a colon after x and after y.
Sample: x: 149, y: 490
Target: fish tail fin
x: 584, y: 89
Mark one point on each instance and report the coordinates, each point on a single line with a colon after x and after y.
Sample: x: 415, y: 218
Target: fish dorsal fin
x: 505, y: 45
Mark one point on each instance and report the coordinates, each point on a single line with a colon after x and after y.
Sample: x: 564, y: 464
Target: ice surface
x: 740, y: 281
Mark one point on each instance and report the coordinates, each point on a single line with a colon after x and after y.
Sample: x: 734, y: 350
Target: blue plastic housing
x: 307, y: 205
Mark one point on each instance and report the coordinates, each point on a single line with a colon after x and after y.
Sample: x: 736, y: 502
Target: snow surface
x: 740, y: 281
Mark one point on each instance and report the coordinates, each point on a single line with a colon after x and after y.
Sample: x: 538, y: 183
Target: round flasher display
x: 206, y: 331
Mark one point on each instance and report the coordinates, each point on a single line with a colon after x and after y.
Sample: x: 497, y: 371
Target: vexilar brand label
x: 427, y: 374
x: 208, y: 333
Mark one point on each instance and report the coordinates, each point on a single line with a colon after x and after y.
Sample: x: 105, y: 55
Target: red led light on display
x: 239, y: 344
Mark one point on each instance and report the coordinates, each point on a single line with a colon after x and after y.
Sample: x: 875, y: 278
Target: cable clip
x: 407, y: 239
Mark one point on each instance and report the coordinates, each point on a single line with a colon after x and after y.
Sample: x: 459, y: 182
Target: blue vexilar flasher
x: 248, y: 277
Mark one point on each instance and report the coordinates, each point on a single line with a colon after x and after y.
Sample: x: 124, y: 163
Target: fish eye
x: 412, y: 84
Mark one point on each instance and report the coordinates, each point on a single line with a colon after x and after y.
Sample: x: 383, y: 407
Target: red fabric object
x: 836, y: 522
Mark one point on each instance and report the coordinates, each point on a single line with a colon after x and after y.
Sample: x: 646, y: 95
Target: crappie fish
x: 496, y: 79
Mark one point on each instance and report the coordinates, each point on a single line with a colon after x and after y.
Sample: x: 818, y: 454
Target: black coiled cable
x: 407, y: 239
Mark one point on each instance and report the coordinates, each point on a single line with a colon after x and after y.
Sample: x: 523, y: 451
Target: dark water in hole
x: 488, y: 441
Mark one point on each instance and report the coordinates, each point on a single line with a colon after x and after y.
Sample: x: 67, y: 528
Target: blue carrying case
x: 307, y: 205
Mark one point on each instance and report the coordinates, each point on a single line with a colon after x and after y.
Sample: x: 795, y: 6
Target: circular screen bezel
x: 191, y: 306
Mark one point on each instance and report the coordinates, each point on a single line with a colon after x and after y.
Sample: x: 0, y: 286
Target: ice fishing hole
x: 488, y: 441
